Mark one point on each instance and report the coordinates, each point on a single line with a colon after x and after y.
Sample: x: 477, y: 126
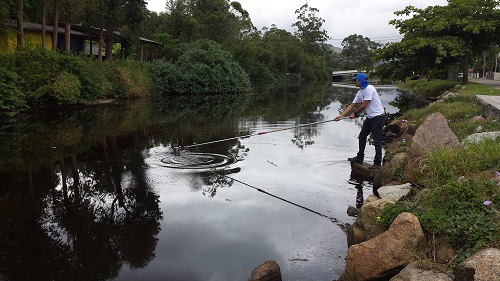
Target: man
x: 370, y: 102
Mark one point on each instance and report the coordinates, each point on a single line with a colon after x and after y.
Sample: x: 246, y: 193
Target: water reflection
x: 85, y: 194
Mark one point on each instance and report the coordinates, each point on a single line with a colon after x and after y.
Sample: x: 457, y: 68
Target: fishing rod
x: 343, y: 226
x: 260, y: 133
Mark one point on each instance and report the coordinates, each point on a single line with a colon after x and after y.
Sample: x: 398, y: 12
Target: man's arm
x: 347, y: 110
x: 355, y: 113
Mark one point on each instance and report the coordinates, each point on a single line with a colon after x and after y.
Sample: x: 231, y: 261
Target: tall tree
x: 94, y: 16
x: 55, y: 28
x: 309, y: 29
x: 217, y: 20
x: 20, y: 25
x: 44, y: 13
x: 70, y: 9
x: 179, y: 21
x: 357, y: 52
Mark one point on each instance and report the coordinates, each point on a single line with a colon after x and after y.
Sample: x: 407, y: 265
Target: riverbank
x: 452, y: 183
x: 37, y: 77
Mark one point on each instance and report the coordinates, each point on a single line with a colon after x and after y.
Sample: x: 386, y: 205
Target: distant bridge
x: 338, y: 76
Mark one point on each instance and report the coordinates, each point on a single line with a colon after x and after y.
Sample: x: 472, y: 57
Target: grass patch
x: 445, y: 165
x: 428, y: 89
x: 457, y: 211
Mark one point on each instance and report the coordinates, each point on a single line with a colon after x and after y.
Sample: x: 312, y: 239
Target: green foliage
x: 11, y: 96
x: 309, y: 29
x: 66, y: 88
x: 135, y: 75
x: 456, y: 210
x: 357, y: 51
x: 204, y: 67
x: 439, y: 37
x: 45, y: 76
x: 430, y: 88
x: 468, y: 161
x: 459, y: 180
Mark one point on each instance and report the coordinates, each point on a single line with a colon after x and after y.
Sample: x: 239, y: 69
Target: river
x: 130, y: 191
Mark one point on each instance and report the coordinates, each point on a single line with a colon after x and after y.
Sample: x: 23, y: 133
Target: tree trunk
x: 64, y: 184
x: 76, y: 178
x: 56, y: 25
x: 44, y: 11
x: 109, y: 45
x: 465, y: 70
x: 20, y: 30
x: 67, y: 34
x: 101, y: 39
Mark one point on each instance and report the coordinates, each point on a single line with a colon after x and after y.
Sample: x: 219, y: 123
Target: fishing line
x: 343, y: 226
x: 260, y: 133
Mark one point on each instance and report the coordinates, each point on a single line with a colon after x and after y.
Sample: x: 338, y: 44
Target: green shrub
x: 456, y: 210
x: 11, y: 97
x: 137, y: 75
x: 204, y: 67
x: 66, y: 88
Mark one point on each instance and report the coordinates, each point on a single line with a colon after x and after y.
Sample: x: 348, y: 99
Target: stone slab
x: 491, y: 103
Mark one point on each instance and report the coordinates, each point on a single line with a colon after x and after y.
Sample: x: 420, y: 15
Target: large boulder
x: 386, y: 173
x: 433, y: 134
x: 366, y: 225
x: 413, y: 273
x: 481, y: 266
x: 268, y: 271
x: 386, y: 253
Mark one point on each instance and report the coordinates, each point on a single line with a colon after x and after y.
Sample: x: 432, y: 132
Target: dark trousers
x: 374, y: 126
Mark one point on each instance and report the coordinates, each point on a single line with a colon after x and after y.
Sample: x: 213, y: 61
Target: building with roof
x: 83, y: 40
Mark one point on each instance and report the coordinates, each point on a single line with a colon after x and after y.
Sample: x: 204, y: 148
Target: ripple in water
x: 190, y: 160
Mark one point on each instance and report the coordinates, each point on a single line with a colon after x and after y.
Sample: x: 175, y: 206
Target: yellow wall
x: 8, y: 43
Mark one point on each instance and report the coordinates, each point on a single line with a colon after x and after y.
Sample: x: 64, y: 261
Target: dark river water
x: 103, y: 192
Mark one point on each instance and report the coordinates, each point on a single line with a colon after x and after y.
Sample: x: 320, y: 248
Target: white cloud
x: 342, y: 18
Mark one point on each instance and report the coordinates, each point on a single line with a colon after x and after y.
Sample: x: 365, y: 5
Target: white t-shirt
x: 374, y: 107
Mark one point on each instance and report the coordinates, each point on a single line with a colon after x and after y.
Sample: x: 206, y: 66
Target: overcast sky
x: 369, y: 18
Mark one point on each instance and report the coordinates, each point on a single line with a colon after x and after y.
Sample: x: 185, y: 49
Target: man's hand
x: 338, y: 118
x: 353, y: 115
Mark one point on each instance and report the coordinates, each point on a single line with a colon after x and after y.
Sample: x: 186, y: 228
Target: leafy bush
x: 66, y: 88
x: 204, y: 67
x: 11, y: 97
x: 137, y: 75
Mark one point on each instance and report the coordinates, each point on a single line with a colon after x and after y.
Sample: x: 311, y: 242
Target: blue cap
x: 363, y: 80
x: 360, y: 76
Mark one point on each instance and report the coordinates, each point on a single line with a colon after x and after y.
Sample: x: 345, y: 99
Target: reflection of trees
x: 216, y: 179
x: 406, y: 101
x: 302, y: 137
x: 79, y: 221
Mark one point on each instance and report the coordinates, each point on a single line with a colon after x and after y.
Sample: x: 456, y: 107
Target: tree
x: 357, y: 51
x: 70, y: 9
x: 20, y: 28
x: 285, y: 50
x: 94, y: 16
x: 44, y: 13
x: 55, y: 25
x: 441, y: 37
x: 216, y: 20
x: 179, y: 21
x: 309, y: 29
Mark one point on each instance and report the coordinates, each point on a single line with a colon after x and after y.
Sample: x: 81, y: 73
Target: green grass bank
x: 462, y: 199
